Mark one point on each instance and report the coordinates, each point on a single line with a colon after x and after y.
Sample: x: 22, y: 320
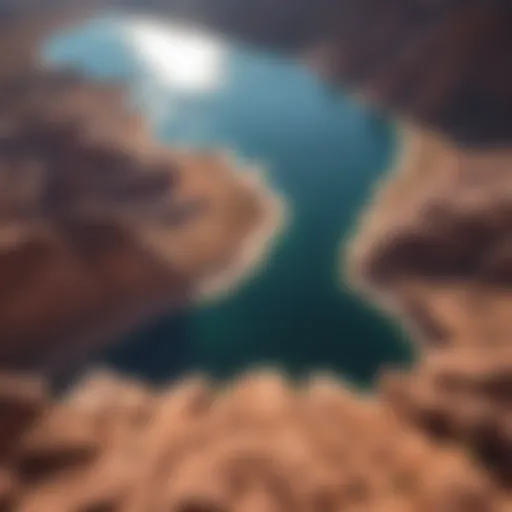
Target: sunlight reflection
x: 180, y: 58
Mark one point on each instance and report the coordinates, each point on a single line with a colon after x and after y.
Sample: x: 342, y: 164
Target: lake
x: 321, y: 151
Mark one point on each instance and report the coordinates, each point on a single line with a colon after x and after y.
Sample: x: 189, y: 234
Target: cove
x: 322, y: 151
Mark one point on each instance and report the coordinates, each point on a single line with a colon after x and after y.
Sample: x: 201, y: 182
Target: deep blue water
x: 323, y: 153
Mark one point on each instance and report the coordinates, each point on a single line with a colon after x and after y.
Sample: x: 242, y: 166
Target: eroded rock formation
x: 434, y: 247
x: 462, y: 394
x: 436, y: 242
x: 259, y: 444
x: 102, y: 227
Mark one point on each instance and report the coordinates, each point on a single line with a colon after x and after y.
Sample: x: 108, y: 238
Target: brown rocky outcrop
x: 462, y: 394
x: 435, y: 242
x: 434, y: 248
x: 259, y: 444
x: 102, y: 228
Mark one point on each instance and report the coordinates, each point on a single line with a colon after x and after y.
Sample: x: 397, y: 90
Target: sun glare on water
x: 181, y: 58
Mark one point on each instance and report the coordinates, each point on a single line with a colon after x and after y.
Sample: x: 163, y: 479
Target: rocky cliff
x: 102, y: 227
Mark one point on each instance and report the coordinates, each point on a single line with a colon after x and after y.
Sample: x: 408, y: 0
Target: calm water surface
x: 321, y: 151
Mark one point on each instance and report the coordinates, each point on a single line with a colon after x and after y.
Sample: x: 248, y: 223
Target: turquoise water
x: 321, y: 151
